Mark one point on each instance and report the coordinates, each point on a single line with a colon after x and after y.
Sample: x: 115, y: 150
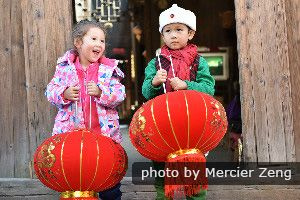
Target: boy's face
x: 177, y: 35
x: 91, y: 47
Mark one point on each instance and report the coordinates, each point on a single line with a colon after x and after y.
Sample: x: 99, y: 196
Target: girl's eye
x: 179, y: 29
x: 94, y: 38
x: 103, y: 41
x: 167, y: 31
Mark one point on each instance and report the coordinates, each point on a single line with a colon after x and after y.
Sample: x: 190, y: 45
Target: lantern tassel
x: 182, y: 160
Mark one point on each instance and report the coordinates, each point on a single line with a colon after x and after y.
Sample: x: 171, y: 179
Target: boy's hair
x: 82, y: 27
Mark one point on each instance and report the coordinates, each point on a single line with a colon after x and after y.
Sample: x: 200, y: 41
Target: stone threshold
x: 25, y: 188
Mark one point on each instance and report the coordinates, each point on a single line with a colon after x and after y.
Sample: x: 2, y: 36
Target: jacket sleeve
x: 148, y: 90
x: 56, y: 87
x: 204, y: 81
x: 113, y: 92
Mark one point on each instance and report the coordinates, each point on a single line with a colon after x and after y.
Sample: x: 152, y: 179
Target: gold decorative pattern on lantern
x: 121, y: 162
x: 219, y: 116
x: 45, y: 156
x: 148, y: 139
x: 138, y: 121
x: 57, y: 139
x: 139, y: 142
x: 222, y: 112
x: 147, y: 136
x: 44, y: 174
x: 218, y: 122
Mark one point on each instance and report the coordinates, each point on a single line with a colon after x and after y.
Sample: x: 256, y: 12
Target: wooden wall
x: 293, y: 42
x: 33, y: 34
x: 268, y: 45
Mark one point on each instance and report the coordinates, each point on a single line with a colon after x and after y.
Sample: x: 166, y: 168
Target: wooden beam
x: 19, y: 108
x: 6, y: 72
x: 46, y: 34
x: 33, y: 34
x: 265, y: 80
x: 293, y: 39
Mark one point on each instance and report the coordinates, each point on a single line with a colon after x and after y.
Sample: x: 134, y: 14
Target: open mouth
x: 96, y: 52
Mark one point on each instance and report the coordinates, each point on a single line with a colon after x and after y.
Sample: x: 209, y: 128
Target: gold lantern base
x: 183, y: 152
x: 78, y: 194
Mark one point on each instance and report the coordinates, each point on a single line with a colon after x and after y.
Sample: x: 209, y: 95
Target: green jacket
x: 204, y: 81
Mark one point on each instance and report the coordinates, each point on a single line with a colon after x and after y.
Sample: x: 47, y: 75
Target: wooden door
x: 33, y: 34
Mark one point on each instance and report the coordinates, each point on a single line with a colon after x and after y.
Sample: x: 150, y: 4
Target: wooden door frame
x: 269, y: 53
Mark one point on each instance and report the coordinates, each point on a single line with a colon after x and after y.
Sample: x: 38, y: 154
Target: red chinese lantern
x: 80, y: 163
x: 178, y: 126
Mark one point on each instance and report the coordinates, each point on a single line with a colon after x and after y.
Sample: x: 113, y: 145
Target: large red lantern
x: 80, y: 163
x: 178, y: 126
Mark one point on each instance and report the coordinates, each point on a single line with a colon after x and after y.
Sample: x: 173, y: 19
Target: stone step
x: 17, y: 189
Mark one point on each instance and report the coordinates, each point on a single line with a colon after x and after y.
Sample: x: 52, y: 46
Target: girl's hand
x: 93, y: 89
x: 71, y: 93
x: 160, y: 77
x: 178, y: 84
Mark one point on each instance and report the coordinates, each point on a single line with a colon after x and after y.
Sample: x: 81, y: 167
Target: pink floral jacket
x: 113, y: 93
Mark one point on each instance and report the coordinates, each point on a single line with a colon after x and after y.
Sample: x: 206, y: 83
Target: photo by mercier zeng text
x: 194, y: 174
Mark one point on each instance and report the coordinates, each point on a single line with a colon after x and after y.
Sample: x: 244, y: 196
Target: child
x: 178, y: 67
x: 86, y: 88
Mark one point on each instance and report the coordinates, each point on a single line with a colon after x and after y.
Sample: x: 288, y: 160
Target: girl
x: 86, y: 88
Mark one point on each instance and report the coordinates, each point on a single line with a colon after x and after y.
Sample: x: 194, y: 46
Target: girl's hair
x: 82, y: 27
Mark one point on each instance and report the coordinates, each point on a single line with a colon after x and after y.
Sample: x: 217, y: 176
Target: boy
x: 178, y: 67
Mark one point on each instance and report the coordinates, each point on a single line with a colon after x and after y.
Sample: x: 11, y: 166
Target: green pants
x: 160, y: 186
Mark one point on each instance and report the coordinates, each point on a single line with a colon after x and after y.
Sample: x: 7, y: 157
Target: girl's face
x: 91, y: 47
x: 176, y: 35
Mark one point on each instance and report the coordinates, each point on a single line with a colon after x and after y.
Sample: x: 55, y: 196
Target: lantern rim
x: 183, y: 152
x: 78, y: 194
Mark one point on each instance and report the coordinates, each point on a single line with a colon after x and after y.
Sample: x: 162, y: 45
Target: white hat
x: 177, y: 14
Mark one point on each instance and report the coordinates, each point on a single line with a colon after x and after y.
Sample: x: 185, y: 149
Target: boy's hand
x: 178, y: 84
x: 160, y: 77
x: 71, y: 93
x: 93, y: 89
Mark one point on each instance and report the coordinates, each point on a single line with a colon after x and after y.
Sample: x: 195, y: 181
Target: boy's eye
x: 94, y: 38
x: 102, y: 41
x: 179, y: 29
